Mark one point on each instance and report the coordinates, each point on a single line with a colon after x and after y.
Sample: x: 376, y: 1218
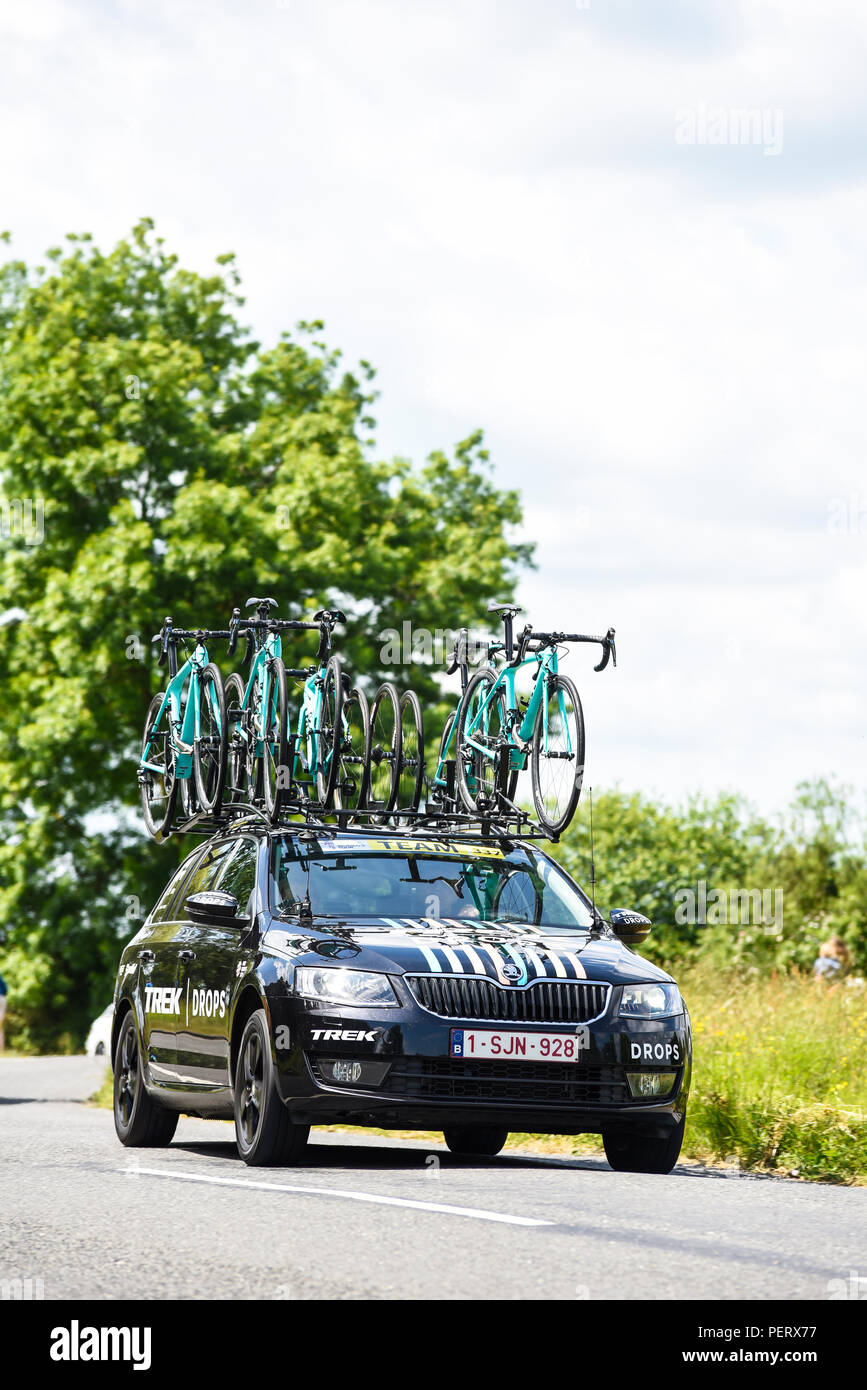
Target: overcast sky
x: 627, y: 239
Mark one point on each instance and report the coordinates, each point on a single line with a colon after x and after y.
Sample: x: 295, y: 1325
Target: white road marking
x: 346, y: 1193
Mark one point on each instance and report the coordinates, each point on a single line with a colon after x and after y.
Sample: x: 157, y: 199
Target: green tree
x: 179, y: 468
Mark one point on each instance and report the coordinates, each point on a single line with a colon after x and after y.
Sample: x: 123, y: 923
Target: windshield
x: 390, y: 879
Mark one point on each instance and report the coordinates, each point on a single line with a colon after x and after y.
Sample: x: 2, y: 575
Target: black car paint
x: 189, y: 1060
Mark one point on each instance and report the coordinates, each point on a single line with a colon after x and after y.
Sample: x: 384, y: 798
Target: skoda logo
x: 512, y: 972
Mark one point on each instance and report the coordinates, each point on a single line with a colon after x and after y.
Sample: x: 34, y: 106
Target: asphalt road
x: 375, y: 1218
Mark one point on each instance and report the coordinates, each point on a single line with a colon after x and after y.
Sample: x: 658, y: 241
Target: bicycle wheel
x: 275, y: 740
x: 329, y: 733
x: 558, y: 754
x: 157, y: 782
x: 384, y: 760
x: 481, y: 743
x: 236, y: 755
x: 351, y: 788
x: 210, y: 749
x: 411, y: 773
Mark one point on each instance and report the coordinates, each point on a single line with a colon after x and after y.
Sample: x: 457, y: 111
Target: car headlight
x: 346, y: 987
x: 650, y: 1001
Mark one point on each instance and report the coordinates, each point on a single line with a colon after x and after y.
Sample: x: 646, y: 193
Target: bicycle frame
x: 259, y: 668
x: 184, y: 718
x: 309, y: 723
x: 519, y: 739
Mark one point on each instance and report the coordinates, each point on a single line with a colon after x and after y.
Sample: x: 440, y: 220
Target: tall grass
x: 780, y: 1074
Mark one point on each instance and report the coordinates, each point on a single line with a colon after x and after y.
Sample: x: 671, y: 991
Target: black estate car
x: 313, y: 975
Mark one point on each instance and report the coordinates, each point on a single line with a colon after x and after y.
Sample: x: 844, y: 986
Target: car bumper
x: 423, y: 1086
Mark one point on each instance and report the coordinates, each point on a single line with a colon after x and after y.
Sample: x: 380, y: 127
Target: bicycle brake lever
x: 609, y: 650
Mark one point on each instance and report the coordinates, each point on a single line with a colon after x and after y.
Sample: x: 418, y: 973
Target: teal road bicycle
x: 184, y: 747
x: 332, y: 734
x: 497, y: 734
x: 257, y: 707
x: 325, y: 759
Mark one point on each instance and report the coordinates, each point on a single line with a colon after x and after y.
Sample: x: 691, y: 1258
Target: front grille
x: 544, y: 1001
x: 524, y: 1083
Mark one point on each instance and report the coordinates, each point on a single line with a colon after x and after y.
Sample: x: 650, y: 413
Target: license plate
x: 511, y: 1046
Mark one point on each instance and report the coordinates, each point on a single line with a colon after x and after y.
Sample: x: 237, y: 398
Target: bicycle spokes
x: 211, y: 744
x: 275, y: 755
x: 384, y: 749
x: 157, y: 782
x: 558, y: 753
x: 351, y: 787
x: 329, y: 732
x: 411, y: 771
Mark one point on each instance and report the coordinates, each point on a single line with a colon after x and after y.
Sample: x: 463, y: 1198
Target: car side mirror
x: 630, y: 927
x: 215, y: 909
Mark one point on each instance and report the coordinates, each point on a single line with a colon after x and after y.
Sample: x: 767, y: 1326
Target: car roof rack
x: 506, y: 822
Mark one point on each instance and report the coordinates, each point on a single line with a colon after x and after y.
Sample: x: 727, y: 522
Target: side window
x: 162, y: 911
x: 239, y: 874
x: 207, y: 871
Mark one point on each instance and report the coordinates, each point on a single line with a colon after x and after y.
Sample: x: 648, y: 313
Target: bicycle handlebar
x: 551, y: 639
x: 323, y: 622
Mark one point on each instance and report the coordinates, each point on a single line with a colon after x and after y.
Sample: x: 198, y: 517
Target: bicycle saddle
x: 499, y: 607
x: 261, y: 603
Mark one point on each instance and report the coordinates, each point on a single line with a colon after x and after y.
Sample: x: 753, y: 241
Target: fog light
x: 651, y: 1083
x: 346, y: 1071
x: 342, y: 1071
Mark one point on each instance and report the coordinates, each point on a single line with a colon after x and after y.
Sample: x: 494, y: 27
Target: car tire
x: 632, y: 1153
x: 138, y: 1121
x: 264, y: 1131
x: 475, y: 1141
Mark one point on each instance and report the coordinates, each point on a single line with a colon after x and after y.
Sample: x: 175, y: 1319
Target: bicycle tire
x: 274, y: 777
x: 569, y: 791
x: 210, y: 769
x: 410, y: 777
x: 252, y: 756
x: 384, y: 758
x: 235, y: 787
x: 328, y: 735
x: 351, y: 790
x: 158, y: 823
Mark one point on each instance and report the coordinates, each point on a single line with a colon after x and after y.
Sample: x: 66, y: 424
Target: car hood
x: 512, y: 954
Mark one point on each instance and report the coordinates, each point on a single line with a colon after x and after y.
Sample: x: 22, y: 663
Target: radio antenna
x: 592, y: 860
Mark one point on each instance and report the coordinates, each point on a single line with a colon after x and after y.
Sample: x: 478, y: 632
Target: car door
x: 158, y: 998
x: 206, y: 967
